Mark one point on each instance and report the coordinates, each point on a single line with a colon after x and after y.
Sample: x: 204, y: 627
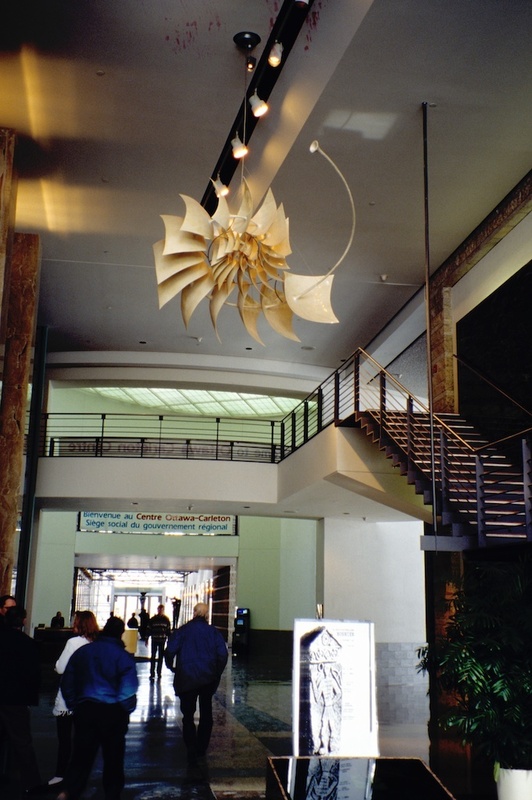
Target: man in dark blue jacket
x: 101, y: 688
x: 197, y: 654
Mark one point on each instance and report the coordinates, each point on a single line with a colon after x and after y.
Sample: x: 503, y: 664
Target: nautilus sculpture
x: 239, y: 259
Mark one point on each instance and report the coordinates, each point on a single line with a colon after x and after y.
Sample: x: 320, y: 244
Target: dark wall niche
x: 495, y: 341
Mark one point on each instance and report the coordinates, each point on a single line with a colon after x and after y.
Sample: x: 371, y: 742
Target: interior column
x: 20, y: 258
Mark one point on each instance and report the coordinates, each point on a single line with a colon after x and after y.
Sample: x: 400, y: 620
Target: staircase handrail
x: 520, y: 434
x: 493, y: 385
x: 441, y: 422
x: 475, y: 450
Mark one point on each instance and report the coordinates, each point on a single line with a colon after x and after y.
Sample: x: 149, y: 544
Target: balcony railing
x: 360, y: 385
x: 159, y: 436
x: 211, y: 438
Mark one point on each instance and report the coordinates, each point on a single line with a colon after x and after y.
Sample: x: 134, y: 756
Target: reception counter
x: 332, y: 778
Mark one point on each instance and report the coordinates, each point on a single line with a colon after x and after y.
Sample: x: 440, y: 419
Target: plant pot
x: 514, y: 784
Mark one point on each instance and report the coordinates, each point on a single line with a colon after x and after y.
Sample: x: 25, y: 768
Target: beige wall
x: 276, y: 576
x: 375, y: 571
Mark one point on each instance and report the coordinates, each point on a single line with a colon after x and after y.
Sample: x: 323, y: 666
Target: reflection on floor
x: 252, y: 720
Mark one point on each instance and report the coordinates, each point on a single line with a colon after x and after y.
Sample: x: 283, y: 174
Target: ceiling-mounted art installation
x: 238, y: 257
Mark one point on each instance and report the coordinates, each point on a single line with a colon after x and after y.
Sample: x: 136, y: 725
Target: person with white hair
x: 197, y: 654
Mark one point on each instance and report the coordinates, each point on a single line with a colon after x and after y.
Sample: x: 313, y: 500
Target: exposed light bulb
x: 220, y: 188
x: 276, y: 54
x: 258, y: 107
x: 239, y: 148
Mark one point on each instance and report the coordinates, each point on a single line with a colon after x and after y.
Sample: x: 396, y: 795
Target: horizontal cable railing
x: 160, y: 436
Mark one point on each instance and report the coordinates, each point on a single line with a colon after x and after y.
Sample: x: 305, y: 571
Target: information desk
x: 331, y: 778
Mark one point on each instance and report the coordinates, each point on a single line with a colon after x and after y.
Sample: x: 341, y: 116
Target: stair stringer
x: 345, y: 458
x: 366, y: 470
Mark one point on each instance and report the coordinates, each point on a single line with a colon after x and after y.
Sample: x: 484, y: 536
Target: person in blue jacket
x: 197, y: 654
x: 100, y: 686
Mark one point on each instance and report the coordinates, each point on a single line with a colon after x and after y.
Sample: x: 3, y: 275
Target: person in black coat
x: 58, y: 621
x: 133, y: 622
x: 19, y: 689
x: 144, y: 621
x: 197, y: 655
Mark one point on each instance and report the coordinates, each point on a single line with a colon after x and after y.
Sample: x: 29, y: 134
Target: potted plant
x: 484, y: 662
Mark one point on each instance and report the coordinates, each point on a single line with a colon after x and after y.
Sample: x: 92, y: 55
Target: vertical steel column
x: 427, y: 321
x: 32, y: 460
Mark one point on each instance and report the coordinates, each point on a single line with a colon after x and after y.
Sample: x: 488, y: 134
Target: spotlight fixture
x: 239, y: 148
x: 251, y: 62
x: 276, y: 54
x: 220, y: 188
x: 258, y: 107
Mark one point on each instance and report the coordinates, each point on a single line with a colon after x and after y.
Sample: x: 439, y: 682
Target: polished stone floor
x: 252, y: 721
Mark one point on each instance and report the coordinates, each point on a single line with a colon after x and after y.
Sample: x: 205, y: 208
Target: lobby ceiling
x: 121, y: 107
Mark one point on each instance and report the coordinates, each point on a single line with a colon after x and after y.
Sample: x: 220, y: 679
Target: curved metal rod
x: 315, y: 147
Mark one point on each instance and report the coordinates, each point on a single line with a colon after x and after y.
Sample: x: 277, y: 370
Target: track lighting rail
x: 286, y: 29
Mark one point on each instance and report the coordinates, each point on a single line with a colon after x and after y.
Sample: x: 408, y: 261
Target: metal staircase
x: 480, y: 491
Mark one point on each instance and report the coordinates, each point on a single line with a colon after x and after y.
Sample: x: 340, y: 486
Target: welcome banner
x: 161, y: 523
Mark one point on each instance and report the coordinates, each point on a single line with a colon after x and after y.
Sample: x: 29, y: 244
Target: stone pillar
x: 8, y: 190
x: 443, y: 367
x: 20, y: 329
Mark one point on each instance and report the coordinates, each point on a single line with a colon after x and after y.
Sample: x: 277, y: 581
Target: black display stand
x: 331, y: 778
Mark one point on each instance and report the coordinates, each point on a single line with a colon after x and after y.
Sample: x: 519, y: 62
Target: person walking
x: 19, y: 689
x: 158, y: 631
x: 197, y: 654
x: 100, y: 685
x: 144, y: 621
x: 85, y: 630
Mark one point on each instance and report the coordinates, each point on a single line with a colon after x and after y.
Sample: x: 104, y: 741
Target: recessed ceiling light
x: 307, y: 347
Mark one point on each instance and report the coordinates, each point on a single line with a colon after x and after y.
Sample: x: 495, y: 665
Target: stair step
x: 406, y: 440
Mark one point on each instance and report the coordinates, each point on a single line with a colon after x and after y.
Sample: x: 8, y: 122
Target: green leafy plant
x: 485, y: 660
